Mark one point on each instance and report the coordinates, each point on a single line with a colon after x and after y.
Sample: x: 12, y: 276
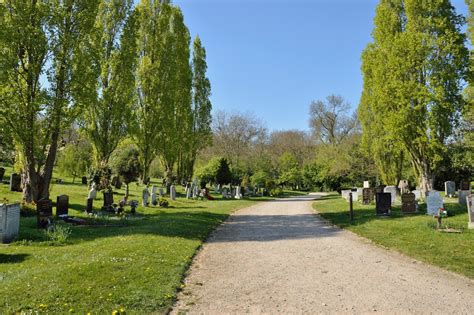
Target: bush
x: 276, y: 192
x: 163, y: 203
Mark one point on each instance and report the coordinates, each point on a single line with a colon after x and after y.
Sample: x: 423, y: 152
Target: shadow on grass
x: 12, y: 258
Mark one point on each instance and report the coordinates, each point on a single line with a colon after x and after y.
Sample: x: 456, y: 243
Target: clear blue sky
x: 273, y: 57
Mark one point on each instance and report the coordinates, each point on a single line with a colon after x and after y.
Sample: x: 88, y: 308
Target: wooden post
x: 351, y: 209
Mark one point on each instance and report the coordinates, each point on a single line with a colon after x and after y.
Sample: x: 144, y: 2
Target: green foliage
x: 208, y: 172
x: 75, y: 159
x: 413, y: 76
x: 289, y: 169
x: 276, y: 192
x: 58, y: 233
x: 259, y: 178
x: 125, y: 162
x: 223, y: 173
x: 163, y: 202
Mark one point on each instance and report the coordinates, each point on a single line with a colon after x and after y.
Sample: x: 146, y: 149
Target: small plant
x: 163, y: 203
x: 276, y: 192
x: 58, y: 233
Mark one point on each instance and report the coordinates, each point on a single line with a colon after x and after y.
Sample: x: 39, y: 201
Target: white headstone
x: 359, y: 193
x: 238, y: 194
x: 470, y: 210
x: 189, y: 192
x: 345, y: 194
x: 393, y: 192
x: 366, y: 184
x: 417, y: 194
x: 9, y: 222
x: 434, y: 201
x: 462, y: 194
x: 195, y: 192
x: 92, y: 192
x: 173, y: 192
x: 449, y: 189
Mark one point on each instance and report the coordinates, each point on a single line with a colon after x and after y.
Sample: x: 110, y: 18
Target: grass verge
x: 412, y: 235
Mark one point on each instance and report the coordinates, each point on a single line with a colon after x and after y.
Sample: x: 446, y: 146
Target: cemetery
x: 145, y: 169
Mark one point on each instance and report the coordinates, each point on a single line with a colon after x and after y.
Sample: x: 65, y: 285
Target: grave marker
x: 465, y: 185
x: 9, y: 222
x: 462, y: 195
x: 108, y: 198
x: 89, y: 206
x: 383, y: 203
x: 84, y: 180
x: 470, y: 210
x: 393, y: 192
x: 44, y: 213
x: 379, y: 189
x: 345, y: 194
x: 173, y: 192
x: 145, y: 196
x: 2, y: 173
x: 409, y: 204
x: 403, y: 186
x: 417, y: 194
x: 368, y: 195
x: 449, y: 189
x: 15, y: 182
x: 366, y: 184
x: 434, y: 202
x: 62, y: 205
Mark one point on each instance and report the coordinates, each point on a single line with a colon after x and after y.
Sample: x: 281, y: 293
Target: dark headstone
x: 84, y: 180
x: 89, y: 206
x: 2, y: 173
x: 368, y: 195
x: 108, y: 199
x: 15, y: 182
x: 118, y: 184
x: 383, y: 203
x: 44, y: 212
x: 62, y: 205
x: 465, y: 185
x: 409, y: 203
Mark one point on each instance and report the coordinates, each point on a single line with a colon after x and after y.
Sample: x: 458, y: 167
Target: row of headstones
x: 154, y: 196
x: 232, y: 193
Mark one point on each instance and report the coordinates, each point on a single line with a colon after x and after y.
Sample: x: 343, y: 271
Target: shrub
x: 58, y: 233
x: 276, y: 192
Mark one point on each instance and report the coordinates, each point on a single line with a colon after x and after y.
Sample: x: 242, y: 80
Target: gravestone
x: 195, y: 192
x: 359, y: 193
x: 449, y: 189
x: 154, y: 200
x: 366, y: 184
x: 190, y: 191
x: 470, y: 210
x: 2, y: 173
x: 84, y: 180
x: 89, y: 206
x: 383, y: 203
x: 160, y: 192
x: 345, y: 194
x: 434, y: 201
x: 62, y: 205
x: 173, y: 192
x: 92, y: 192
x: 108, y: 198
x: 409, y: 204
x: 368, y: 195
x: 145, y: 196
x: 417, y: 194
x: 465, y: 185
x: 114, y: 180
x: 379, y: 189
x: 9, y: 222
x: 393, y: 192
x: 232, y: 193
x: 118, y: 184
x: 225, y: 192
x: 44, y: 213
x: 15, y: 182
x: 462, y: 194
x: 403, y: 186
x: 238, y: 193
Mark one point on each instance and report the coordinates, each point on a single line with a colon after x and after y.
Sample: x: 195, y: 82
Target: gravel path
x: 278, y: 257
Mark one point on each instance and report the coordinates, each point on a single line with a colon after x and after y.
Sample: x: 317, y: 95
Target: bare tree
x: 332, y: 121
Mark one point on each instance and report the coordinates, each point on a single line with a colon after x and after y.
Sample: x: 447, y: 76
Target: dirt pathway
x: 277, y: 257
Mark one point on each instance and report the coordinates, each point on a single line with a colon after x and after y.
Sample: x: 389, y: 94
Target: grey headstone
x: 161, y: 192
x: 345, y: 194
x: 173, y: 192
x: 462, y: 194
x: 434, y: 201
x: 62, y: 205
x: 9, y: 222
x: 238, y: 193
x: 449, y: 189
x: 417, y: 194
x: 145, y: 196
x: 393, y: 192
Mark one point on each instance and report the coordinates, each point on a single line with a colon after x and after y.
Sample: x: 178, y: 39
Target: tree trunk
x: 427, y: 179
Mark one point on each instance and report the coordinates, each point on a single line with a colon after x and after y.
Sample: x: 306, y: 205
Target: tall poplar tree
x: 39, y: 39
x: 107, y: 89
x: 413, y: 75
x: 200, y: 135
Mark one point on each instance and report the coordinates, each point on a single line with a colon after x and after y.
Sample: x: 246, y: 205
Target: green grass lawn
x: 412, y: 235
x: 137, y: 266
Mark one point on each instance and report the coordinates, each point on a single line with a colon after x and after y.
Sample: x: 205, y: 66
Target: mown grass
x: 413, y: 235
x: 136, y: 267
